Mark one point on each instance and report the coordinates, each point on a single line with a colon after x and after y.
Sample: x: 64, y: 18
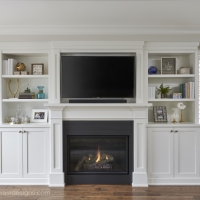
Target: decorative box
x: 24, y: 73
x: 184, y: 70
x: 177, y: 96
x: 16, y: 73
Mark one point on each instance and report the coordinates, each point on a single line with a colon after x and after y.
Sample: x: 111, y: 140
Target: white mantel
x: 119, y: 111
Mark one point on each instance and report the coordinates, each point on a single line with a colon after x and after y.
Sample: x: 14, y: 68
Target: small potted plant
x: 163, y: 90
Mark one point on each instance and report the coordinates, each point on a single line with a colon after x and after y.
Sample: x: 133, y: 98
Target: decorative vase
x: 40, y: 94
x: 152, y: 70
x: 163, y: 96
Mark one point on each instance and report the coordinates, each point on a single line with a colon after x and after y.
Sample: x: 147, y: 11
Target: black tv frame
x: 99, y: 100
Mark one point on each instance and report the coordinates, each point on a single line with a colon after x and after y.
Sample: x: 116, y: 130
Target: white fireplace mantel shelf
x: 132, y: 105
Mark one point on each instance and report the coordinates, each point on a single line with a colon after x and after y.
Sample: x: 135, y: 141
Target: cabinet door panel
x: 186, y: 155
x: 160, y: 159
x: 11, y: 153
x: 34, y: 152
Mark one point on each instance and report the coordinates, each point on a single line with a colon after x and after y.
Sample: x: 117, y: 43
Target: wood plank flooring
x: 100, y: 192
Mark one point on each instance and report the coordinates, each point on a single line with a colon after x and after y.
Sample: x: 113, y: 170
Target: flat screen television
x: 97, y: 76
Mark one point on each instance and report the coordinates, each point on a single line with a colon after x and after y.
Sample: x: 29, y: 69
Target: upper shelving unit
x: 177, y: 67
x: 36, y: 63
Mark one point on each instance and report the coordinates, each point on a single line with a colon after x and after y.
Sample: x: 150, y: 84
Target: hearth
x: 98, y: 152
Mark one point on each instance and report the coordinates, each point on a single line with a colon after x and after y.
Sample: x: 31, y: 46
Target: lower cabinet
x: 174, y: 155
x: 24, y: 152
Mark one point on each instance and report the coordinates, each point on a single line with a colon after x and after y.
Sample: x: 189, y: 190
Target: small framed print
x: 168, y: 65
x: 39, y: 115
x: 37, y: 69
x: 160, y: 113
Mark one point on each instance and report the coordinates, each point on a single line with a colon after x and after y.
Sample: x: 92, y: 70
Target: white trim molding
x: 97, y: 30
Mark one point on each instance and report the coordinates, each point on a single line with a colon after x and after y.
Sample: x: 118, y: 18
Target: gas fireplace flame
x: 98, y: 155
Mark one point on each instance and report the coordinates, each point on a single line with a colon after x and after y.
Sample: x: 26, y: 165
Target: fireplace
x: 98, y: 152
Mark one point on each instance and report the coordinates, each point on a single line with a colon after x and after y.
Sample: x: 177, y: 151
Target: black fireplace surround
x: 98, y: 152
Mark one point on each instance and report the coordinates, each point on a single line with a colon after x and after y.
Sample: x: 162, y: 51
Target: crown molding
x: 97, y: 45
x: 96, y: 30
x: 171, y: 46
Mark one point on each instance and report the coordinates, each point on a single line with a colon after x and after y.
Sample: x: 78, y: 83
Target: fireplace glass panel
x: 98, y: 154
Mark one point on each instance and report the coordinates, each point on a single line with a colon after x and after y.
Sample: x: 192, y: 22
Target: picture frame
x: 160, y: 113
x: 37, y: 69
x: 168, y: 65
x: 39, y: 115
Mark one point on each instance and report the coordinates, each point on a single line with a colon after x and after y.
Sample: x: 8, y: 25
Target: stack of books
x: 151, y: 92
x: 9, y: 66
x: 26, y: 95
x: 187, y: 90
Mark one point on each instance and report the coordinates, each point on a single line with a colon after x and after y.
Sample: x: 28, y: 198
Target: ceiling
x: 105, y: 18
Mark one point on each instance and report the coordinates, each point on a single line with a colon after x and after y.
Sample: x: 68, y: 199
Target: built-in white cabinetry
x: 173, y: 155
x: 24, y: 153
x: 186, y: 55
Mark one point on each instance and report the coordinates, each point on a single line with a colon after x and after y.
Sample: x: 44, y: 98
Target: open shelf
x: 25, y: 76
x: 38, y: 125
x: 151, y: 100
x: 26, y: 100
x: 172, y: 76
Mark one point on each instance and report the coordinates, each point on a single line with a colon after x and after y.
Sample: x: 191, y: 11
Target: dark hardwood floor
x: 100, y: 192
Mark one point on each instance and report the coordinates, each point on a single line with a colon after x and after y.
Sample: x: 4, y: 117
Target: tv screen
x: 97, y: 76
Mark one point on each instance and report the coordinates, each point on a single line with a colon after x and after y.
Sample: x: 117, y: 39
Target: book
x: 24, y: 95
x: 151, y: 92
x: 13, y: 64
x: 5, y: 67
x: 9, y: 67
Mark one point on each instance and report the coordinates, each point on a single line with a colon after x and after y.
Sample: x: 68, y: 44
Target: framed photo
x: 168, y: 65
x: 39, y: 115
x: 160, y: 113
x: 37, y: 69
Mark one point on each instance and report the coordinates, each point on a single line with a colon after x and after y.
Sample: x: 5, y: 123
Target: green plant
x: 163, y: 89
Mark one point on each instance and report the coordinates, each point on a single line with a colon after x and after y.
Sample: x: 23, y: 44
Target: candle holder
x: 181, y: 106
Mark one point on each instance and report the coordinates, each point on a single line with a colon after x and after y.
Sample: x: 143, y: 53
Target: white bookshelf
x: 28, y: 57
x: 186, y: 56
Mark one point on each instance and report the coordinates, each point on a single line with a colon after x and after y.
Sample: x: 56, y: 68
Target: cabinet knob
x: 25, y: 131
x: 20, y: 131
x: 171, y: 131
x: 175, y: 131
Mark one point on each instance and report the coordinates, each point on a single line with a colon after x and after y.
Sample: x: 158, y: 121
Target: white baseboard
x: 139, y: 179
x: 56, y: 180
x: 24, y: 181
x: 174, y: 181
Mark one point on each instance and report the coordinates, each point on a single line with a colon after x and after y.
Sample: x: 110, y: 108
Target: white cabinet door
x: 10, y: 152
x: 160, y: 153
x: 35, y: 152
x: 186, y: 152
